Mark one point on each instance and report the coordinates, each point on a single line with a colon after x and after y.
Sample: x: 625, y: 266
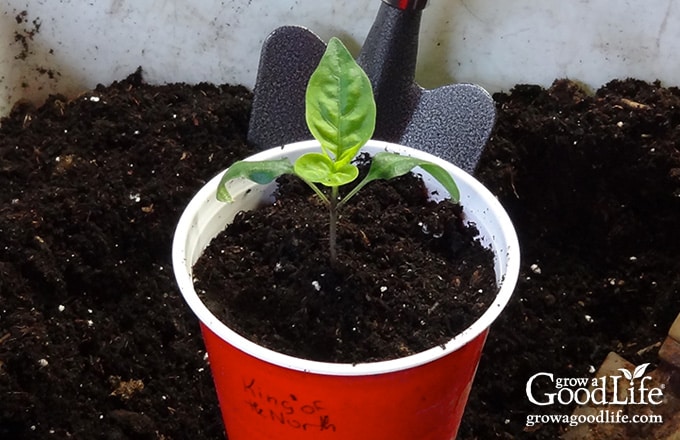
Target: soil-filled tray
x: 95, y: 341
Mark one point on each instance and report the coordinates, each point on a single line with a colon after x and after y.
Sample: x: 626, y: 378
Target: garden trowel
x: 453, y: 122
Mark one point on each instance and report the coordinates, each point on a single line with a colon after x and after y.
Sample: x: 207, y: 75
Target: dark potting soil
x: 95, y: 341
x: 410, y: 275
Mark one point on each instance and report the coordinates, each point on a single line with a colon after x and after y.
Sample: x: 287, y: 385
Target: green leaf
x: 261, y: 172
x: 390, y: 165
x: 444, y: 178
x: 340, y: 109
x: 318, y: 168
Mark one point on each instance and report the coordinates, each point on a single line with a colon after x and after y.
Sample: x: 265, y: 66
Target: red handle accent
x: 404, y: 5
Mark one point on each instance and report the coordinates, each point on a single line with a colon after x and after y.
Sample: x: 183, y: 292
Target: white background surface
x: 489, y: 42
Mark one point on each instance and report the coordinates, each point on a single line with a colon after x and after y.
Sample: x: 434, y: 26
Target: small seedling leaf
x: 444, y: 178
x: 390, y: 165
x: 340, y: 108
x: 261, y: 172
x: 319, y: 168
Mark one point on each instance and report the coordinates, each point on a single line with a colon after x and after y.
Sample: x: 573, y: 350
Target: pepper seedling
x: 340, y: 112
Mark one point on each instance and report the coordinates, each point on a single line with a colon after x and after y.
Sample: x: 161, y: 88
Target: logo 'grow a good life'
x: 625, y: 389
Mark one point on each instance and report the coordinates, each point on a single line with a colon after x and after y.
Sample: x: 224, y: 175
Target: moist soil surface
x: 409, y: 274
x: 96, y: 342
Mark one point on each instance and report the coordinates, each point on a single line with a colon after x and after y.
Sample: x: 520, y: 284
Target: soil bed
x: 410, y: 275
x: 95, y: 341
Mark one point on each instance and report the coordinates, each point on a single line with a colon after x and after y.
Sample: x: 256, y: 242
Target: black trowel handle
x: 413, y: 5
x: 389, y: 58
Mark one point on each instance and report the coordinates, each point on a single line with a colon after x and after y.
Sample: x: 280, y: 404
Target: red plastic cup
x: 265, y: 395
